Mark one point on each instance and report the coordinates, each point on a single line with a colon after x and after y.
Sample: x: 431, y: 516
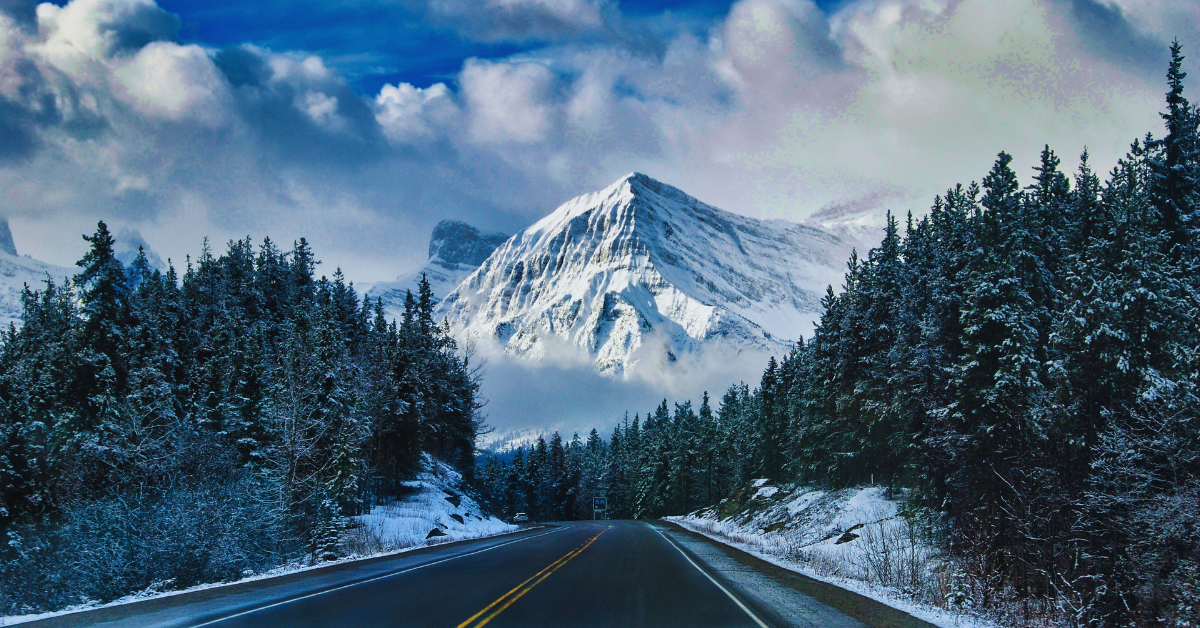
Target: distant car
x: 520, y: 518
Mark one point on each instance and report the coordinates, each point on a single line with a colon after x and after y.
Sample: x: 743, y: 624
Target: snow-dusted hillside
x: 17, y: 271
x: 456, y: 249
x: 642, y: 270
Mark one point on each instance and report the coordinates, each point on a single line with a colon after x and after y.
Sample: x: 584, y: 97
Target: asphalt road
x: 605, y: 573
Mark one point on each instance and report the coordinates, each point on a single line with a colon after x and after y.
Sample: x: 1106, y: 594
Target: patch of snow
x: 766, y: 491
x: 759, y: 482
x: 437, y: 503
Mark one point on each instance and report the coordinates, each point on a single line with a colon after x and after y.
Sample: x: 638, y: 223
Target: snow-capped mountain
x: 641, y: 270
x: 456, y: 249
x: 129, y: 242
x: 17, y: 271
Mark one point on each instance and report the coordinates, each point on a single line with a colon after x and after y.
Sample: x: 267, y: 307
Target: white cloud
x: 98, y: 29
x: 410, y: 114
x: 176, y: 83
x: 509, y: 102
x: 525, y: 395
x: 776, y: 41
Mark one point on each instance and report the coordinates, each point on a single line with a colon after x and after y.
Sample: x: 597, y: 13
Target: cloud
x: 176, y: 83
x: 1158, y: 19
x: 410, y: 115
x: 509, y: 102
x: 92, y: 29
x: 776, y: 109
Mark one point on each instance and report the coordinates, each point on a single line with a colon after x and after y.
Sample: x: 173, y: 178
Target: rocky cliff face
x: 6, y: 241
x: 456, y: 249
x: 641, y: 270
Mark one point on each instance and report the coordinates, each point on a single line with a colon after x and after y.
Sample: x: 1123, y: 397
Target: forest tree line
x: 1024, y: 359
x: 160, y: 430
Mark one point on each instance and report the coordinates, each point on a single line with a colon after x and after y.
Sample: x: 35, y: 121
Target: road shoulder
x: 739, y: 568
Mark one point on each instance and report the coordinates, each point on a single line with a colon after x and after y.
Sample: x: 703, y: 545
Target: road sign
x: 599, y: 507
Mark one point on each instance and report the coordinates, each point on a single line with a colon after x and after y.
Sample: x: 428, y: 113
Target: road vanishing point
x: 577, y: 574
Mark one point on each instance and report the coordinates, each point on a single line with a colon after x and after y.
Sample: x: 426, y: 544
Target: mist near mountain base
x: 562, y: 391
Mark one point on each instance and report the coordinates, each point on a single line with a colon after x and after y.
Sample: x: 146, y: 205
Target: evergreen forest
x: 1023, y: 361
x: 159, y: 431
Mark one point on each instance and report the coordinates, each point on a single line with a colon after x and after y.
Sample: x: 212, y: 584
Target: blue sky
x: 375, y: 43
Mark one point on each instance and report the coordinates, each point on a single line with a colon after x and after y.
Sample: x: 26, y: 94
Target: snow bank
x: 436, y: 506
x: 855, y: 538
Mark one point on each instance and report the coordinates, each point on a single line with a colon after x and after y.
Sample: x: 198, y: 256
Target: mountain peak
x: 638, y: 184
x: 456, y: 242
x: 642, y: 263
x: 129, y: 242
x: 629, y: 205
x: 456, y: 249
x: 638, y: 179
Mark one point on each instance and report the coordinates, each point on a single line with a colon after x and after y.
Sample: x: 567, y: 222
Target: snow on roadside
x: 854, y: 538
x: 400, y: 526
x: 436, y: 504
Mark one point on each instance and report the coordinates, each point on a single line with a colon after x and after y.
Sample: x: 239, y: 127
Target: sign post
x: 599, y: 508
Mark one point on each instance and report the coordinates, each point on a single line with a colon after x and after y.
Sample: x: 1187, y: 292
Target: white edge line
x: 711, y: 579
x: 381, y: 577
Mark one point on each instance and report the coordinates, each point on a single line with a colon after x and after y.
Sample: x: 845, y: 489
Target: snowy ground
x: 437, y: 506
x: 854, y: 538
x: 400, y: 526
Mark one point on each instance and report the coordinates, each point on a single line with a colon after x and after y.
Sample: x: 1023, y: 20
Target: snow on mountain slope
x: 641, y: 268
x: 456, y: 249
x: 17, y: 271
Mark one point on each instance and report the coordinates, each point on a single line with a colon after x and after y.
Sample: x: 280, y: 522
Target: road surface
x: 603, y: 573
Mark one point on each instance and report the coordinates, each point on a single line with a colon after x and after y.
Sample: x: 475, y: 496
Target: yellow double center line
x: 504, y: 601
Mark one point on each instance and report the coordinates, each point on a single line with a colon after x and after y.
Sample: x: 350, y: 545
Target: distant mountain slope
x: 642, y: 267
x: 456, y: 249
x: 17, y: 271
